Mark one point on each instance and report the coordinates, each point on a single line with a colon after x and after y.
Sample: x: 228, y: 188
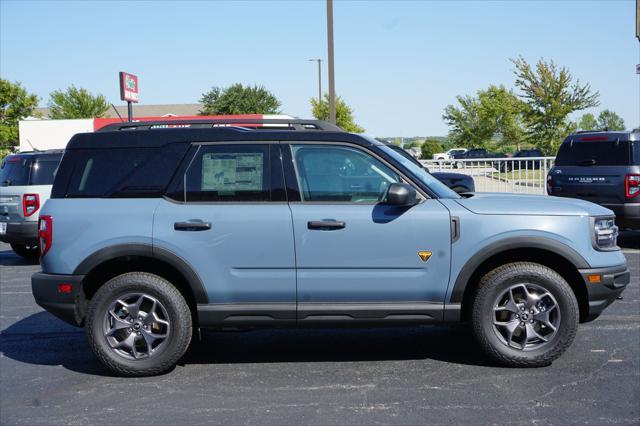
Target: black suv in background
x: 459, y: 182
x: 601, y: 167
x: 521, y: 162
x: 472, y: 154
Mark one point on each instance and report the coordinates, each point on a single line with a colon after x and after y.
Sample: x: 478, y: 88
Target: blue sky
x: 397, y: 63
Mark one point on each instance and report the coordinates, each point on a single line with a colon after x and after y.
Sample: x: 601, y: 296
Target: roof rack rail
x: 40, y: 151
x: 578, y: 132
x: 245, y: 123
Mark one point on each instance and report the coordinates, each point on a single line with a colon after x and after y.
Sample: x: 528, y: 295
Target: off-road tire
x: 179, y: 318
x: 497, y: 281
x: 29, y: 252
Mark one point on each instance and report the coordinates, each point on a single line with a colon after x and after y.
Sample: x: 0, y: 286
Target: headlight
x: 605, y: 233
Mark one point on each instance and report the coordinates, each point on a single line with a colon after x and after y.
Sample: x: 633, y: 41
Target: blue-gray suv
x: 154, y: 230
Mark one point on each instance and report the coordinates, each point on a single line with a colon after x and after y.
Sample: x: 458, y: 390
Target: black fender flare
x: 512, y: 243
x: 146, y: 250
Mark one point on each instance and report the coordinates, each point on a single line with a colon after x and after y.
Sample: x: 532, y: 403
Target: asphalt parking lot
x: 317, y: 376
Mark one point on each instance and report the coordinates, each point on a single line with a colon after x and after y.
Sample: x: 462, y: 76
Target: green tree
x: 494, y: 115
x: 609, y: 120
x: 344, y: 113
x: 550, y: 96
x: 587, y: 122
x: 430, y: 147
x: 239, y: 99
x: 466, y: 128
x: 15, y: 103
x: 76, y: 103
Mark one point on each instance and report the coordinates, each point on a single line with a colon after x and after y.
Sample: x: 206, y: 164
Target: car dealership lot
x: 338, y: 376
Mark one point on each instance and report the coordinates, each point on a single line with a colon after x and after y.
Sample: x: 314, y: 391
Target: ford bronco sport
x: 154, y: 230
x: 25, y: 185
x: 601, y: 167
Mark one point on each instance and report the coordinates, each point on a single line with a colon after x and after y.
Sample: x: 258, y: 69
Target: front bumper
x: 21, y: 233
x: 70, y: 306
x: 601, y: 294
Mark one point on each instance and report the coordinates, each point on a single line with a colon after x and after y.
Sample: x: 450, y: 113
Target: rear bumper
x: 613, y: 281
x: 21, y: 233
x: 69, y: 307
x: 626, y: 214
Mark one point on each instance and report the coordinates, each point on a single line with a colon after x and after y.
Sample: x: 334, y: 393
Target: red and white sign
x: 129, y: 87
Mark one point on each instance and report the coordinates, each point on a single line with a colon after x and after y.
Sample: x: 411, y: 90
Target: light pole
x: 319, y: 61
x: 332, y: 88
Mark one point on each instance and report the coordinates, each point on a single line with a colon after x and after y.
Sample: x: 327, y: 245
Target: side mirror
x: 401, y: 194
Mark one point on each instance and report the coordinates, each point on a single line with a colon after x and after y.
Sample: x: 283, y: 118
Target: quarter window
x: 341, y: 174
x: 44, y: 171
x: 229, y: 173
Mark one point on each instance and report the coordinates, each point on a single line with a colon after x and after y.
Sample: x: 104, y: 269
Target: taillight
x: 632, y: 185
x: 45, y: 233
x: 30, y: 204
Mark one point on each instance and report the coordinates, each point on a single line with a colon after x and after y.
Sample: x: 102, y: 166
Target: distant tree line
x: 239, y: 99
x: 537, y: 115
x: 17, y: 103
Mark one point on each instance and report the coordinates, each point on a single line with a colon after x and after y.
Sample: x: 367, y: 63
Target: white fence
x: 525, y: 175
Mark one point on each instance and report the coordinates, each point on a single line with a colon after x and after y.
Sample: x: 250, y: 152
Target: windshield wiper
x: 6, y: 183
x: 590, y: 162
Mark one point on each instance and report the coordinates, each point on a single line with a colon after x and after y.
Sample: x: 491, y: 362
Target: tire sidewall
x: 569, y: 315
x: 116, y: 288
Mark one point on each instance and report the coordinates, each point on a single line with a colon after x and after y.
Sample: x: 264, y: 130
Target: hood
x: 532, y: 205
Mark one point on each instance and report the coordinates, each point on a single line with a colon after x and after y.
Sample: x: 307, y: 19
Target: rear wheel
x: 138, y: 324
x: 524, y: 315
x: 28, y: 251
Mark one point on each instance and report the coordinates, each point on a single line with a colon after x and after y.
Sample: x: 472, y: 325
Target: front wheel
x: 138, y: 324
x: 524, y: 315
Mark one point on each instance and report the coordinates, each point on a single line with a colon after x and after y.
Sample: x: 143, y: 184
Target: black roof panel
x: 159, y: 137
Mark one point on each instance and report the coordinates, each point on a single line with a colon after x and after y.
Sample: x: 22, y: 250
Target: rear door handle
x: 192, y: 226
x: 326, y: 225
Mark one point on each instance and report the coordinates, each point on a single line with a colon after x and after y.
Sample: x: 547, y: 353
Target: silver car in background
x: 25, y: 184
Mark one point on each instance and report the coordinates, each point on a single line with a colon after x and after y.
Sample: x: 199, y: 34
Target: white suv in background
x: 25, y: 184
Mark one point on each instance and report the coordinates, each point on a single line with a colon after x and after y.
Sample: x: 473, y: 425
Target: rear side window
x: 44, y: 171
x: 595, y: 153
x: 101, y: 171
x: 636, y: 153
x: 15, y: 171
x: 121, y: 172
x: 233, y: 172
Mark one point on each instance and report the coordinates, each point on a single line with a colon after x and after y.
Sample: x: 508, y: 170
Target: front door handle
x: 192, y: 226
x: 326, y: 225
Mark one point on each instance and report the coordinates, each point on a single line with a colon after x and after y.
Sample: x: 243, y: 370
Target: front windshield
x: 439, y: 188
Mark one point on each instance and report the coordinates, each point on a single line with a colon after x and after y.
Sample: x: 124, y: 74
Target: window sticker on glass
x: 232, y: 172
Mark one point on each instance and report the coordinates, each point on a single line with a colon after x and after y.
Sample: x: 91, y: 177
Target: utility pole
x: 332, y: 87
x: 638, y: 65
x: 319, y: 61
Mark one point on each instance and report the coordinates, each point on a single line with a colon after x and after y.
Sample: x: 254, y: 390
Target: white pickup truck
x: 448, y: 156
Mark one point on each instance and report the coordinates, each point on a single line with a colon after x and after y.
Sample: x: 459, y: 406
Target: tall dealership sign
x: 129, y: 91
